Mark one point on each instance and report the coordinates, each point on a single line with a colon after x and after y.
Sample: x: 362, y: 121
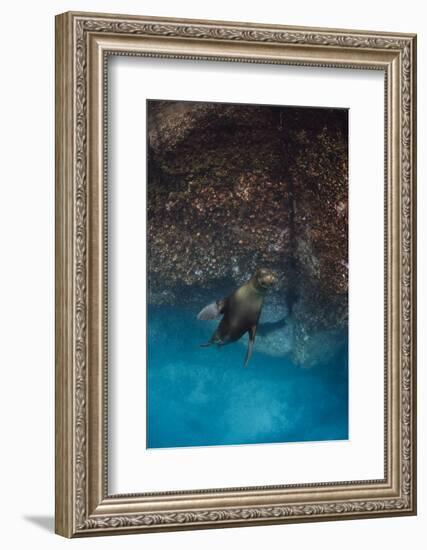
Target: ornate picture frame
x: 84, y: 42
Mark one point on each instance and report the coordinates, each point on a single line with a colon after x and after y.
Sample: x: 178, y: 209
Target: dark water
x: 204, y: 396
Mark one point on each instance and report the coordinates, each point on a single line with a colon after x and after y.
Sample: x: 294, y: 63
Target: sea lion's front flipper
x: 270, y: 326
x: 212, y: 311
x: 251, y: 341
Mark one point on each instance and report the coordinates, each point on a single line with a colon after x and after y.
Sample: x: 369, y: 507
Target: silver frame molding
x: 83, y: 43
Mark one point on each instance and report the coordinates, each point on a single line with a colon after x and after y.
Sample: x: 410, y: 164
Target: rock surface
x: 233, y: 187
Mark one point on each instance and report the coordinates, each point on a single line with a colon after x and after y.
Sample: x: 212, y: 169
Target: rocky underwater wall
x: 234, y: 187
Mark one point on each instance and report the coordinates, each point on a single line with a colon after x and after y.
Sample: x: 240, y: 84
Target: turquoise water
x: 203, y: 396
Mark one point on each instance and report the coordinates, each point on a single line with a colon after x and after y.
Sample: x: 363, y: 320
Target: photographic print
x: 205, y: 326
x: 247, y: 252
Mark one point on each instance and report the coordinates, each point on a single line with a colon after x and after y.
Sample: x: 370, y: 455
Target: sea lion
x: 240, y: 311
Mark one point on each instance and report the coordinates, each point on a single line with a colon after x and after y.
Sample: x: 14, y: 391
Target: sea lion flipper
x: 212, y: 311
x: 271, y: 326
x: 252, y: 333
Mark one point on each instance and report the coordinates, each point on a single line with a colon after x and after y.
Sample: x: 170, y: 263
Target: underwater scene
x: 247, y: 274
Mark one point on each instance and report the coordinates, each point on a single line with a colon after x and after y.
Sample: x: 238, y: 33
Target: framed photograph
x: 235, y: 274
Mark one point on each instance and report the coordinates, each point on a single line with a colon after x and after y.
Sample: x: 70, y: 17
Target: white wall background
x: 27, y: 274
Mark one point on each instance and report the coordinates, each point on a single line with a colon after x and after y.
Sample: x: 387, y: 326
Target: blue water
x: 203, y: 396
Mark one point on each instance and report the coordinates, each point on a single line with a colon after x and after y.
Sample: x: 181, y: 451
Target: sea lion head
x: 265, y: 278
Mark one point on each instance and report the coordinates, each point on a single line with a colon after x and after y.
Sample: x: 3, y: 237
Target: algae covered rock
x: 233, y: 187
